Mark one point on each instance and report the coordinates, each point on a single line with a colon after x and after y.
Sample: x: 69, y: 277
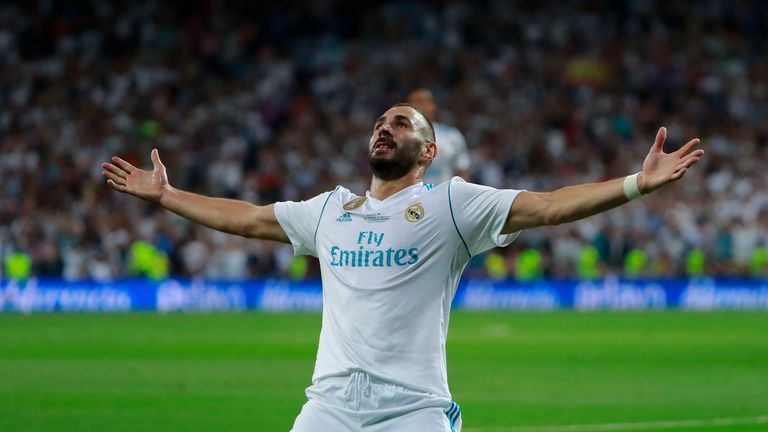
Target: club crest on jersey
x: 345, y: 217
x: 355, y: 203
x: 414, y: 213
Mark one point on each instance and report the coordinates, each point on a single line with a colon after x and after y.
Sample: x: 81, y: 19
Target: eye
x: 402, y: 125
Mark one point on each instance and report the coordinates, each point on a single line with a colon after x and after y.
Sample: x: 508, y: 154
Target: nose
x: 386, y: 129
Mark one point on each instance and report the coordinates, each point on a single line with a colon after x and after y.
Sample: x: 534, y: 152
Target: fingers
x: 679, y: 174
x: 691, y: 158
x: 684, y: 150
x: 114, y: 170
x: 117, y: 187
x: 156, y: 164
x: 115, y: 178
x: 687, y: 162
x: 125, y: 166
x: 682, y: 168
x: 661, y: 137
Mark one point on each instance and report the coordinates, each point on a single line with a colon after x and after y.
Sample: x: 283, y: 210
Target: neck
x: 383, y: 189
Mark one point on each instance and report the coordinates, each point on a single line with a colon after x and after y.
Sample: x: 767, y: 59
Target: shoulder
x: 439, y: 189
x: 313, y: 203
x: 341, y: 192
x: 455, y: 190
x: 458, y: 185
x: 343, y: 197
x: 463, y: 194
x: 450, y: 185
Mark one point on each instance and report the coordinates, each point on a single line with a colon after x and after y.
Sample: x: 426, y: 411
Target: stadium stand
x: 269, y: 103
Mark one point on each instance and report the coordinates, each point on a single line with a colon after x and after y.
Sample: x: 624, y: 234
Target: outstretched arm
x: 230, y: 216
x: 532, y: 209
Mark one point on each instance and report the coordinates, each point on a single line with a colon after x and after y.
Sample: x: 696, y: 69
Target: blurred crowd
x: 268, y: 103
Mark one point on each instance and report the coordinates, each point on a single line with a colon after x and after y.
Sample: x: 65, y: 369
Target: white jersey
x: 452, y: 155
x: 390, y: 270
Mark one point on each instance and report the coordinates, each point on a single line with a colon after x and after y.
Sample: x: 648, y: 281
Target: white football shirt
x: 390, y: 270
x: 452, y: 155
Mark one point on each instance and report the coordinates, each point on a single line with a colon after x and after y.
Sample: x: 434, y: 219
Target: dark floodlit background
x: 276, y: 102
x: 268, y: 102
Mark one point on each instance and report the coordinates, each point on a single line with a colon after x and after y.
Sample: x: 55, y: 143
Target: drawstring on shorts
x: 359, y: 382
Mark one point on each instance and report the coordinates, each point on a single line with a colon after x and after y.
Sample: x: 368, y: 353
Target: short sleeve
x: 300, y: 219
x: 480, y: 213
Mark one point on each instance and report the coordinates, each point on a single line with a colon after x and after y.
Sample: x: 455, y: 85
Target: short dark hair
x: 431, y: 136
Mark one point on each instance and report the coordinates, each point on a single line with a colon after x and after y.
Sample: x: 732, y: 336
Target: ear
x: 428, y: 152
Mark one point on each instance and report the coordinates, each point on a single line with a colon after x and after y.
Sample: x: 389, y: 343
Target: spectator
x: 236, y: 96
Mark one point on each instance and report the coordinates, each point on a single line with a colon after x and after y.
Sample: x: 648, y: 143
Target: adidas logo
x: 345, y: 217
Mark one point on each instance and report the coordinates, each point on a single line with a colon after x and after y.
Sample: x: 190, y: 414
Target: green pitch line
x: 233, y: 372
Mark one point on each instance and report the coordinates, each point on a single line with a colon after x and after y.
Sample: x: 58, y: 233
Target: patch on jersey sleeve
x: 355, y: 203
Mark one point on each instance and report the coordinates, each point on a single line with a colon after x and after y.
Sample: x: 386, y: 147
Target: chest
x: 398, y: 236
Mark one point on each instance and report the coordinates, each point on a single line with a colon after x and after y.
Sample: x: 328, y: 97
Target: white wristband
x: 631, y: 190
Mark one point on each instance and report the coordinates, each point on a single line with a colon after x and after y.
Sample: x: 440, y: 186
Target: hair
x: 431, y: 135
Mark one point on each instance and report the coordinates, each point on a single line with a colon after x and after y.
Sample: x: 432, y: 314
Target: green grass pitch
x: 247, y: 371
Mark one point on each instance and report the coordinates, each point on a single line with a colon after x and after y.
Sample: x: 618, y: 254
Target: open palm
x: 124, y: 177
x: 660, y: 168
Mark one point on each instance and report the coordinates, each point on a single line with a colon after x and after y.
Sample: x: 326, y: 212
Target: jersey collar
x: 411, y: 192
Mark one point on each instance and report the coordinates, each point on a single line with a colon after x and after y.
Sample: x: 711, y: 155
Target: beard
x: 395, y: 167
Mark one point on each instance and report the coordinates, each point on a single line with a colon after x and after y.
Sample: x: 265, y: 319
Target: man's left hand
x: 661, y: 168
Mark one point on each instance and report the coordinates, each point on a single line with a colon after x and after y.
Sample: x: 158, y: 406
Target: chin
x: 382, y: 157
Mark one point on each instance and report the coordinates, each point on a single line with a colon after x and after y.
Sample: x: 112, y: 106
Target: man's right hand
x: 148, y: 185
x: 222, y: 214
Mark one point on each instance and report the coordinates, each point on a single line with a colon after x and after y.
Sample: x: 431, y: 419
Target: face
x: 396, y: 143
x: 424, y: 101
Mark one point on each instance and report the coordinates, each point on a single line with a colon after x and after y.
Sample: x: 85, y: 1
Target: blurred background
x: 276, y: 102
x: 270, y: 102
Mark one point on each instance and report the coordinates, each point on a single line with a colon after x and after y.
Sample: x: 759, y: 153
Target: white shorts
x: 361, y: 403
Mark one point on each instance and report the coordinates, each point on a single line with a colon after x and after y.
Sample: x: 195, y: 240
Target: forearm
x: 230, y: 216
x: 227, y: 215
x: 568, y: 204
x: 572, y: 203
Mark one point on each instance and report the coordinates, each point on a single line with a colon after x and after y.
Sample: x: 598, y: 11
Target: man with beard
x: 391, y: 261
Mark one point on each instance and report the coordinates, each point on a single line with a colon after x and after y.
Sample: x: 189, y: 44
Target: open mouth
x: 383, y: 144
